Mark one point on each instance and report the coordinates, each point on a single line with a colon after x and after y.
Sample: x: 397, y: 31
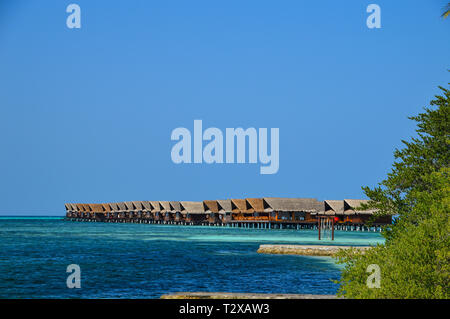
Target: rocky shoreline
x: 229, y: 295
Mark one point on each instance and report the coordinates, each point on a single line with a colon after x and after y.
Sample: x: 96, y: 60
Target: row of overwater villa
x: 263, y: 213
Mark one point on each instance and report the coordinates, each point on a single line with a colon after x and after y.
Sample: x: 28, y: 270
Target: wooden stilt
x: 332, y: 229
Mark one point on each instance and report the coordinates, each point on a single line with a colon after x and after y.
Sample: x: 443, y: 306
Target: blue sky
x: 86, y: 114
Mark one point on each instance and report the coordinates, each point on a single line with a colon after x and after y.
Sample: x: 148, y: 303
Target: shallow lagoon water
x: 146, y: 261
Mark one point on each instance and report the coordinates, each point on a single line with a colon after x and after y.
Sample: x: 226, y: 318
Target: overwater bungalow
x: 225, y: 210
x: 114, y: 214
x: 68, y: 210
x: 166, y: 211
x: 349, y: 215
x: 122, y: 211
x: 138, y: 208
x: 239, y: 209
x: 297, y: 210
x: 80, y: 210
x: 258, y: 209
x: 175, y: 211
x: 211, y: 208
x: 194, y: 212
x: 74, y: 210
x: 87, y: 211
x: 333, y: 207
x: 130, y: 210
x: 107, y: 211
x: 71, y: 210
x: 147, y: 211
x: 266, y: 212
x: 249, y: 209
x: 97, y: 212
x: 157, y: 211
x: 356, y: 215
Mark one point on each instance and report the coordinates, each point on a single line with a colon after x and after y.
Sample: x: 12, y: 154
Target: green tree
x: 446, y: 11
x: 415, y: 258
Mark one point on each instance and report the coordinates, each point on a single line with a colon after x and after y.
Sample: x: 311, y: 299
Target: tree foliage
x: 446, y: 12
x: 415, y: 257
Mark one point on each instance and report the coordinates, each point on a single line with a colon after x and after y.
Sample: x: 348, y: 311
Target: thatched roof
x: 192, y: 207
x: 211, y: 206
x: 156, y: 207
x: 333, y: 207
x: 255, y: 204
x: 130, y: 206
x: 224, y: 206
x: 147, y: 206
x: 138, y: 205
x: 114, y: 207
x: 122, y: 206
x: 248, y: 205
x: 165, y: 206
x: 239, y: 205
x: 175, y: 206
x: 352, y: 206
x: 96, y: 208
x: 307, y: 205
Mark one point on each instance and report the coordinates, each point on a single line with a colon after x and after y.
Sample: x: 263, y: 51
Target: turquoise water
x: 146, y: 261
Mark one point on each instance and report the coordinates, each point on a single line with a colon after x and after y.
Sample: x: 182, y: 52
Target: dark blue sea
x: 146, y: 261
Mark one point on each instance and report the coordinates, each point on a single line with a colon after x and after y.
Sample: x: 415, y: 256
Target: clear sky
x: 86, y: 114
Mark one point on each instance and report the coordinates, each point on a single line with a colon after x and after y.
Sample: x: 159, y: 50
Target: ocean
x: 146, y: 261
